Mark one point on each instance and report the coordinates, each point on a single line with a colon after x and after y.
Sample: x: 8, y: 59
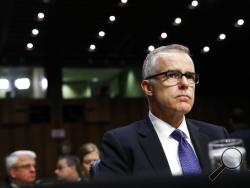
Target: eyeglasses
x: 60, y: 167
x: 173, y: 77
x: 26, y: 166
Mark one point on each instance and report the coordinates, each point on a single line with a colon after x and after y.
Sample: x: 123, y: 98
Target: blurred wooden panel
x: 5, y: 147
x: 19, y: 137
x: 15, y: 112
x: 97, y: 110
x: 37, y: 144
x: 50, y: 154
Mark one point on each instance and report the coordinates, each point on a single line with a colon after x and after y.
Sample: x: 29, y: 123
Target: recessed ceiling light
x: 222, y: 36
x: 35, y: 32
x: 151, y: 48
x: 177, y: 21
x: 239, y: 23
x: 92, y: 48
x: 40, y: 16
x: 112, y: 18
x: 193, y: 4
x: 164, y: 35
x: 101, y: 34
x: 205, y: 49
x: 29, y: 46
x: 124, y: 1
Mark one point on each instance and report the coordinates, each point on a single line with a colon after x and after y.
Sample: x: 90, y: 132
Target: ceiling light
x: 101, y: 34
x: 92, y: 48
x: 193, y: 4
x: 239, y: 23
x: 124, y: 1
x: 164, y: 35
x: 205, y: 49
x: 29, y: 46
x: 4, y: 84
x: 35, y: 32
x: 112, y: 18
x: 40, y: 16
x: 151, y: 48
x: 222, y: 36
x: 177, y: 21
x: 22, y: 83
x: 44, y: 83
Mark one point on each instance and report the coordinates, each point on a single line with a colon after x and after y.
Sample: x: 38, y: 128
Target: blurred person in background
x: 237, y: 121
x: 21, y: 168
x: 69, y: 169
x: 88, y: 154
x: 240, y: 129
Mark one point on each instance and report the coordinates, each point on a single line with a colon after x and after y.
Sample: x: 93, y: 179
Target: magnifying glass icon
x: 231, y: 159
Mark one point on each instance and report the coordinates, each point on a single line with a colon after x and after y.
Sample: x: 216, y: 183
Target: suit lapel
x: 151, y: 145
x: 200, y: 143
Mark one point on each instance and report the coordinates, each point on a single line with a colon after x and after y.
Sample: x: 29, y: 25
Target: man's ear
x: 12, y: 173
x: 146, y: 88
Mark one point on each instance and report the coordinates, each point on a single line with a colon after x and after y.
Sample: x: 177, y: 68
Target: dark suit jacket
x: 136, y: 149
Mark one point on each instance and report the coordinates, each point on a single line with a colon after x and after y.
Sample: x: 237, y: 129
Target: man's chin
x: 184, y: 109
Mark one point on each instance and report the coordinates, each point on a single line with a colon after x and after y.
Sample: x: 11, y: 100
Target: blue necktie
x: 188, y: 159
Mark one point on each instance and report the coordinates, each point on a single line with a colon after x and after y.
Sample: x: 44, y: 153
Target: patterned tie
x: 188, y: 159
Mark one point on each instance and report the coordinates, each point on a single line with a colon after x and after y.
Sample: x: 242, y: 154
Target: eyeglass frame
x: 25, y: 166
x: 186, y: 74
x: 60, y: 168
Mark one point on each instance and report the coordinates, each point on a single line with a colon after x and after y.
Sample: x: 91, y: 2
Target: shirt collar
x: 14, y: 185
x: 166, y: 129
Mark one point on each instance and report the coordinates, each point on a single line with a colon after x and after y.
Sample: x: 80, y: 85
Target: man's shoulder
x: 204, y: 124
x: 129, y: 128
x: 213, y: 131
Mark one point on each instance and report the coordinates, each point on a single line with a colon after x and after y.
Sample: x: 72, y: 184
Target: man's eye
x: 172, y: 75
x: 190, y: 76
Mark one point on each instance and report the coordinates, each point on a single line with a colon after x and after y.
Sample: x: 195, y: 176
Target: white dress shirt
x: 169, y: 144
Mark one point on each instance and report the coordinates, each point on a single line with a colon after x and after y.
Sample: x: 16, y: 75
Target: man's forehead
x: 172, y: 54
x: 62, y: 161
x: 174, y: 59
x: 25, y: 159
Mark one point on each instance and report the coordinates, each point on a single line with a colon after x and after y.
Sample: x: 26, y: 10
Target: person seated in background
x: 238, y: 121
x: 21, y: 168
x: 240, y: 129
x: 165, y: 142
x: 69, y: 169
x: 88, y: 154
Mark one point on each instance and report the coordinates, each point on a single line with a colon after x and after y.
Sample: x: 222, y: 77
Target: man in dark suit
x: 158, y: 144
x: 69, y: 169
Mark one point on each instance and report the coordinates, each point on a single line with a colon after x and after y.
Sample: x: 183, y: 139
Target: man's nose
x: 183, y: 81
x: 33, y: 168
